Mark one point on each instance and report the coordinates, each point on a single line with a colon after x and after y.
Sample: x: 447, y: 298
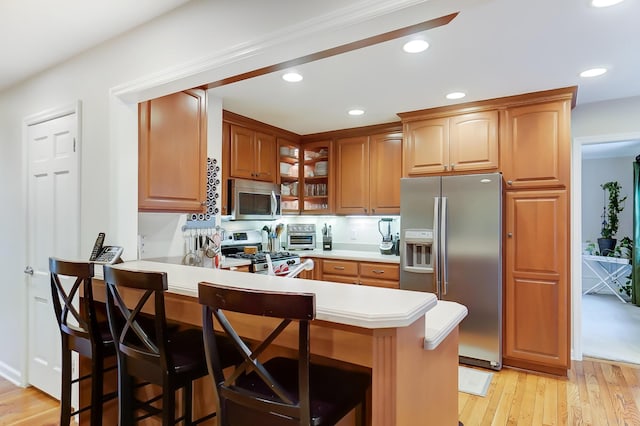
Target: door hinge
x: 74, y: 144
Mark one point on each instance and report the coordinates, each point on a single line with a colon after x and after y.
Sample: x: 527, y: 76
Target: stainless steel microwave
x: 253, y: 200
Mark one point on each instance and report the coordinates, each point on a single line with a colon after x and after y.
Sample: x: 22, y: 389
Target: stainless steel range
x: 234, y: 244
x: 282, y: 261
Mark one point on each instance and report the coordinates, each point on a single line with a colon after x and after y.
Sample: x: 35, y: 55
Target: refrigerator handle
x: 436, y: 239
x: 445, y: 263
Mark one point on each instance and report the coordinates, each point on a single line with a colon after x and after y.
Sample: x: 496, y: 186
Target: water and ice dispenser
x: 418, y: 245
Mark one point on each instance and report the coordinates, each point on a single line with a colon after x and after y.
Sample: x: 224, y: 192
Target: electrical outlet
x: 354, y: 234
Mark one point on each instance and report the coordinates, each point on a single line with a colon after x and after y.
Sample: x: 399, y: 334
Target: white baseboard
x: 12, y: 375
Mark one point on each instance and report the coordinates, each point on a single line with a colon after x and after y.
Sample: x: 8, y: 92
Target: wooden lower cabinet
x: 340, y: 271
x: 537, y: 310
x: 365, y: 273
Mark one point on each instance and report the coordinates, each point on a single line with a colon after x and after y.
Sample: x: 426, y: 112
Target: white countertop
x: 362, y: 256
x: 361, y: 306
x: 227, y: 262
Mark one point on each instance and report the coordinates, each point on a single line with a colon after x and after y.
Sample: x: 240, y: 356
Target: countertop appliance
x: 386, y: 245
x: 235, y: 242
x: 451, y: 245
x: 301, y: 236
x: 253, y: 200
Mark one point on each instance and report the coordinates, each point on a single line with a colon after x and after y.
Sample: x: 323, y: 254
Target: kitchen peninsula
x: 376, y: 328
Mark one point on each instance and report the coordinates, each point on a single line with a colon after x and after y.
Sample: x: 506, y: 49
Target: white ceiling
x: 493, y: 48
x: 37, y: 34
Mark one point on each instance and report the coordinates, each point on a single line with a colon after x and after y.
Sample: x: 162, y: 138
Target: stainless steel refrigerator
x: 451, y: 245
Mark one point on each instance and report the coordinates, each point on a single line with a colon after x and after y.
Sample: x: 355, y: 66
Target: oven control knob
x: 291, y: 262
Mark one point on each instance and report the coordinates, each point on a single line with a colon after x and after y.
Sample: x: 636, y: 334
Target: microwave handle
x: 274, y: 204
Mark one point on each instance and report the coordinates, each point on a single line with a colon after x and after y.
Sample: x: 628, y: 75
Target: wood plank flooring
x: 597, y: 393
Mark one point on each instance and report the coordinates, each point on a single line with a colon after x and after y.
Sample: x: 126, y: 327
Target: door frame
x: 576, y: 231
x: 40, y: 117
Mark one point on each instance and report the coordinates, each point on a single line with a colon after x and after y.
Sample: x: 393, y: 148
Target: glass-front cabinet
x: 315, y: 177
x: 288, y: 159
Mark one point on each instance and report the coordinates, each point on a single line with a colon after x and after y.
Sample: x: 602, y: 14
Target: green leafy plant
x: 626, y: 287
x: 591, y: 248
x: 612, y: 209
x: 624, y: 248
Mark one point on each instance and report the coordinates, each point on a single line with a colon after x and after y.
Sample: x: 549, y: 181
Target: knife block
x: 326, y: 243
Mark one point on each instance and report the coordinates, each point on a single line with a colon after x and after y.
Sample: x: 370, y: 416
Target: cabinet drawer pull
x: 339, y: 268
x: 377, y: 271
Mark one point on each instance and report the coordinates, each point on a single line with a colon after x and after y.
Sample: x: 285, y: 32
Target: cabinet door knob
x: 203, y: 203
x: 509, y: 182
x: 365, y: 210
x: 453, y: 166
x: 445, y: 167
x: 510, y: 234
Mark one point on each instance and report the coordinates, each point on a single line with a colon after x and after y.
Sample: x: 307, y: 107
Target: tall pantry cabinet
x: 535, y: 150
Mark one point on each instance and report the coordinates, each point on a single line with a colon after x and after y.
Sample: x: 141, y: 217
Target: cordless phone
x: 97, y: 247
x: 106, y: 254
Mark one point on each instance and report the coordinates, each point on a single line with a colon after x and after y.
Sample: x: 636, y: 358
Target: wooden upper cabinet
x: 368, y: 174
x: 316, y: 170
x: 426, y: 148
x: 352, y: 175
x: 536, y: 292
x: 459, y: 143
x: 172, y: 148
x: 473, y: 141
x: 266, y: 148
x: 252, y: 154
x: 385, y: 171
x: 536, y: 145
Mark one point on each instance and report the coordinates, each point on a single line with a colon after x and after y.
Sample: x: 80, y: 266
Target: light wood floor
x: 596, y: 393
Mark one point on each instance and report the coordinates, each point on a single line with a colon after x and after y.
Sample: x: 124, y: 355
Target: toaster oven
x: 301, y: 236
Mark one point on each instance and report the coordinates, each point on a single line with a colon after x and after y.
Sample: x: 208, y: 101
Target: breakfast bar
x: 378, y: 329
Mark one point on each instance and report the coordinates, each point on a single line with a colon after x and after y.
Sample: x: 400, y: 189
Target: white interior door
x: 53, y: 230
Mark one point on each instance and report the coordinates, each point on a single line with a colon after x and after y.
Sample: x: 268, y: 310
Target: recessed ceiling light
x: 415, y: 46
x: 456, y: 95
x: 604, y: 3
x: 356, y: 111
x: 292, y: 77
x: 593, y: 72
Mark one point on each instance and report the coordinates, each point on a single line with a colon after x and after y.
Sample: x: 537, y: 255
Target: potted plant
x: 610, y: 222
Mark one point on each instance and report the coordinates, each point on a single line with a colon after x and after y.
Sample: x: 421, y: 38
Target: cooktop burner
x: 261, y: 257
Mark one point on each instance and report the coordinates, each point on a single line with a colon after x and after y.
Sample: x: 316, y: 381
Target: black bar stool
x: 154, y: 354
x: 85, y: 332
x: 281, y: 391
